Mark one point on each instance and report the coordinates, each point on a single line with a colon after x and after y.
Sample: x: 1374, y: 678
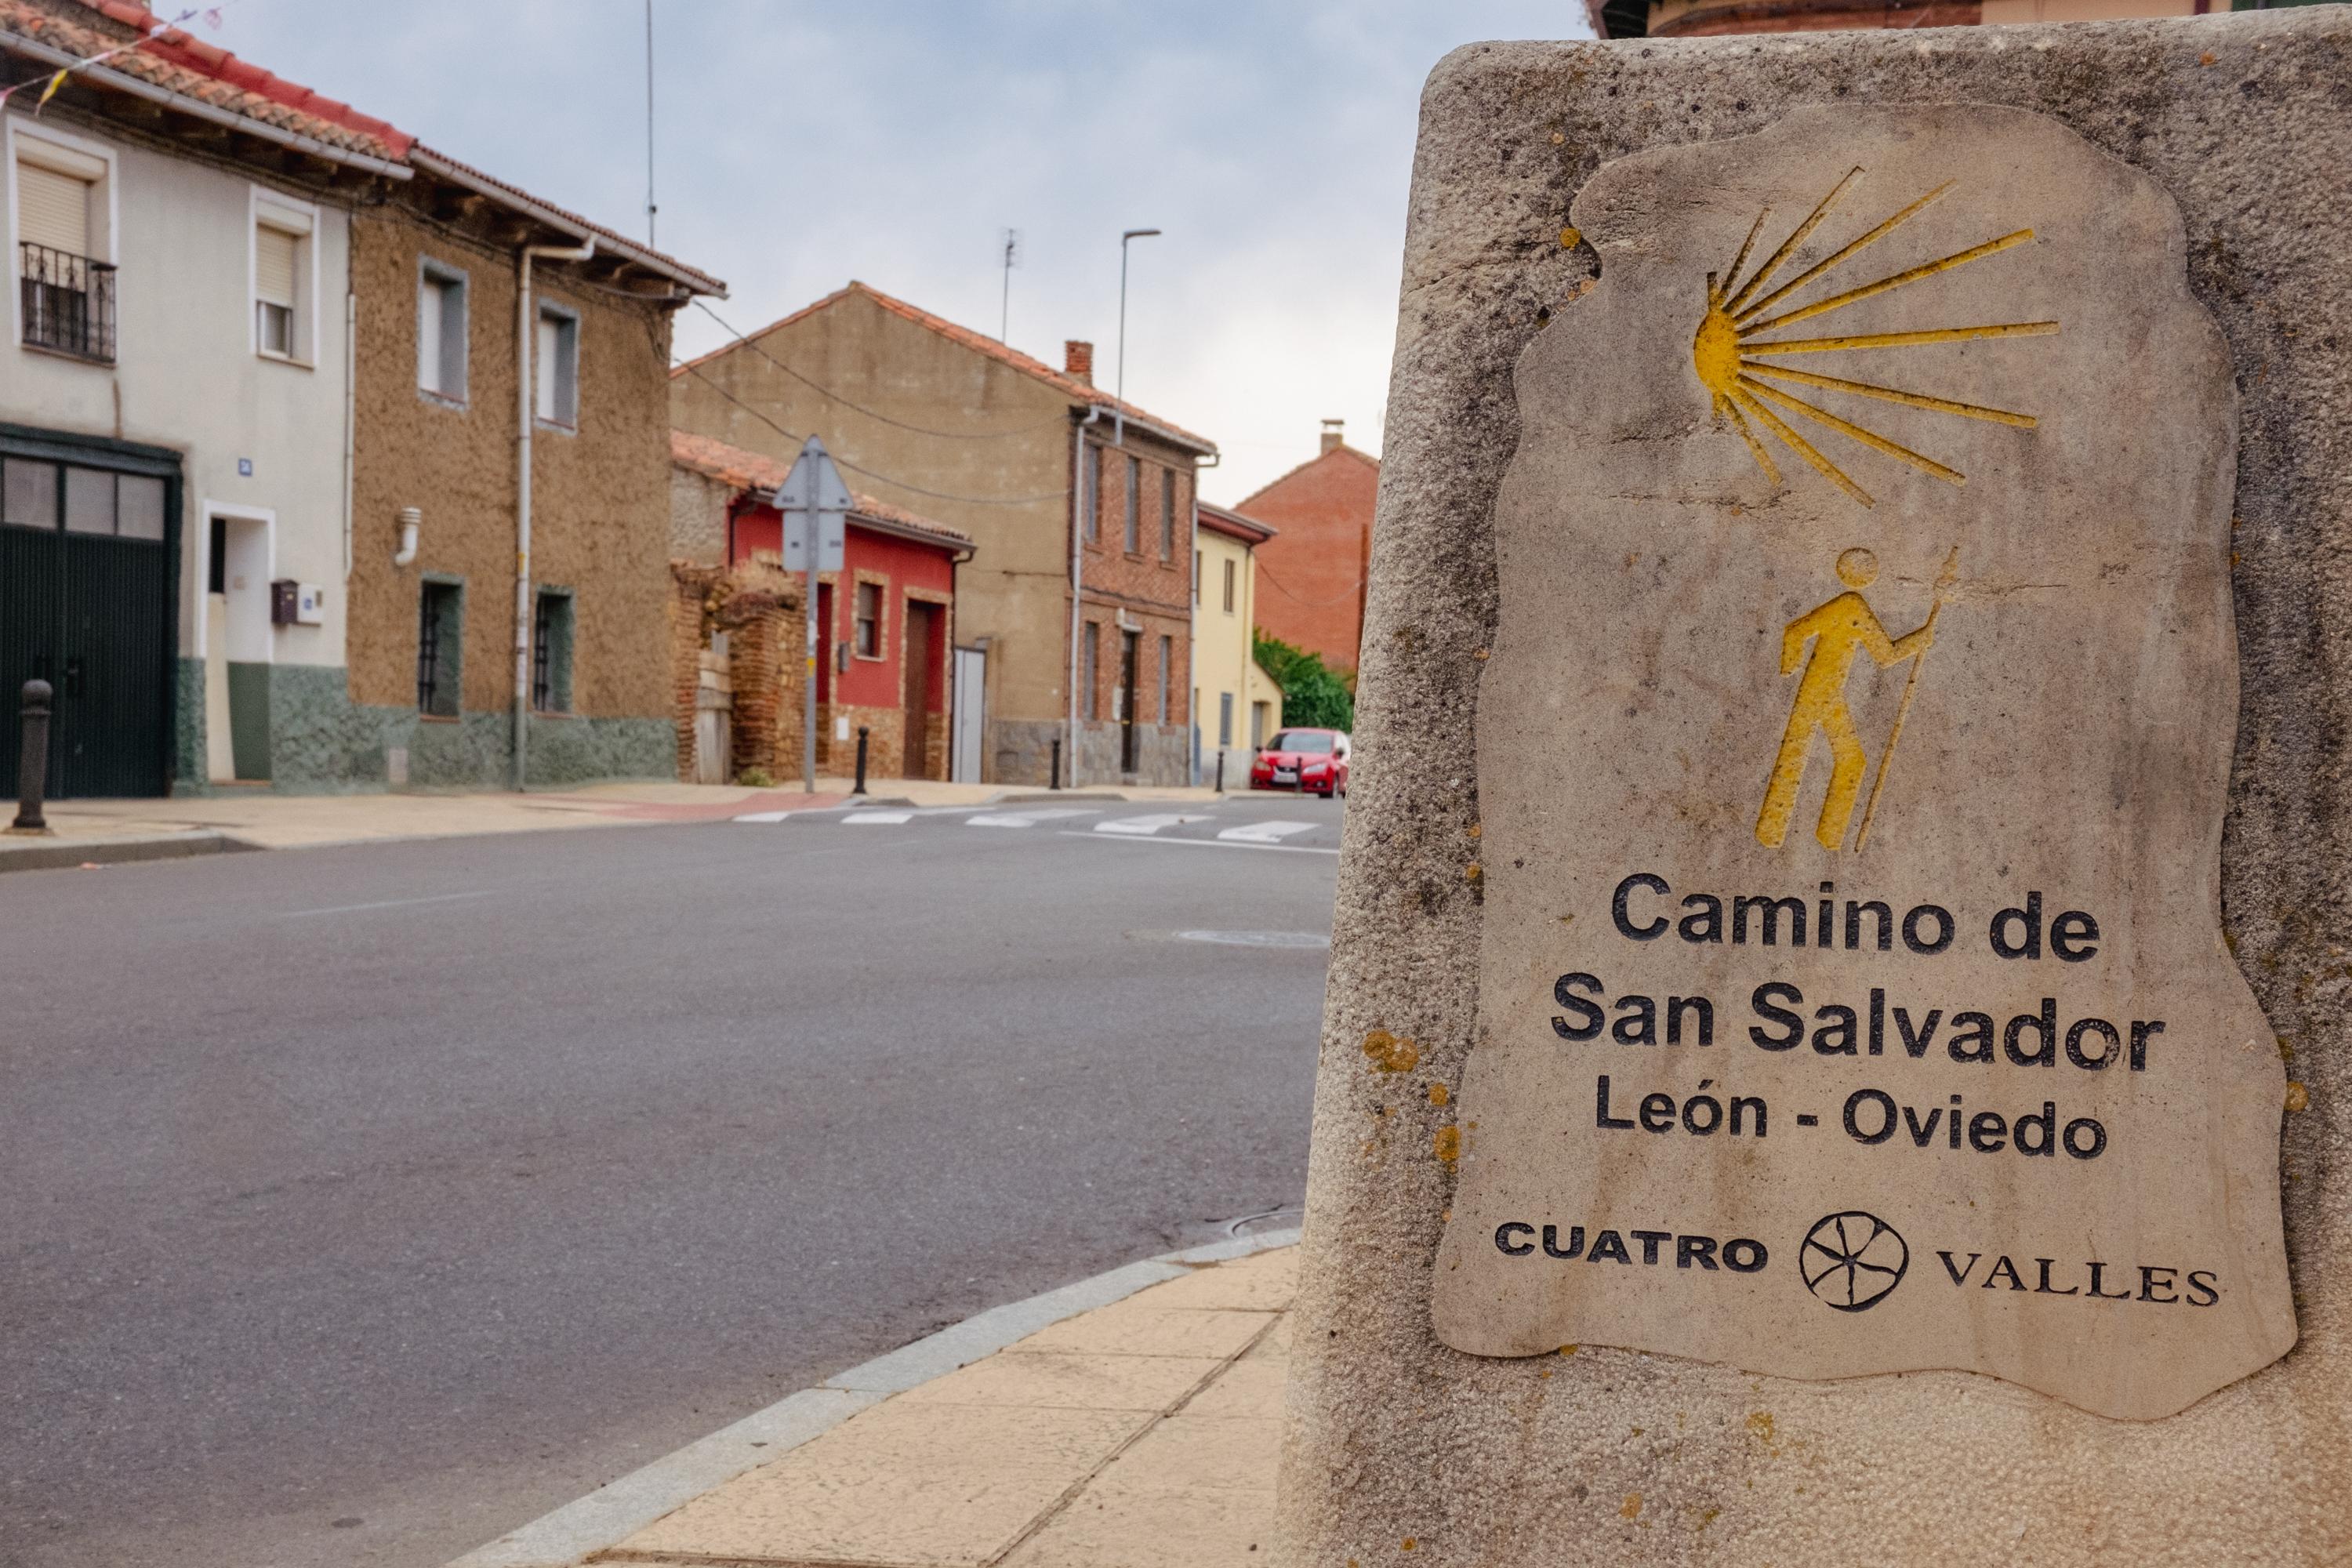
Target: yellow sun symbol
x: 1730, y: 351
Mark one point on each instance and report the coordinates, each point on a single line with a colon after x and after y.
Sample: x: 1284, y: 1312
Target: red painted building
x: 1311, y: 574
x: 886, y: 619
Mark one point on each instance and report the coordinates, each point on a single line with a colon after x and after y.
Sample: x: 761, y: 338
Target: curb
x: 621, y: 1507
x: 34, y: 854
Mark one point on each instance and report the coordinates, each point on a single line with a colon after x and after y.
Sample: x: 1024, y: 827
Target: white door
x: 969, y: 718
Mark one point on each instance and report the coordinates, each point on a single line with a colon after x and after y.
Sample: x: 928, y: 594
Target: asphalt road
x: 359, y: 1205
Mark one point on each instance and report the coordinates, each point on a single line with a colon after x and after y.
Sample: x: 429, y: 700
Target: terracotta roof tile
x: 178, y: 62
x: 747, y: 470
x: 979, y: 342
x: 709, y: 284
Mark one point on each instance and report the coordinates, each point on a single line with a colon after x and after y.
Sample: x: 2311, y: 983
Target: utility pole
x: 1118, y: 415
x: 815, y: 507
x: 1012, y: 259
x: 649, y: 122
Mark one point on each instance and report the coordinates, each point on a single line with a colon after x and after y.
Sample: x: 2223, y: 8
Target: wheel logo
x: 1852, y: 1260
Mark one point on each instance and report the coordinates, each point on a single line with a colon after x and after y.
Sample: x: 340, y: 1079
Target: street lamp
x: 1118, y: 415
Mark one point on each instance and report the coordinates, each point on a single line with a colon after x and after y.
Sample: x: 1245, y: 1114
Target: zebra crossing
x: 1232, y: 825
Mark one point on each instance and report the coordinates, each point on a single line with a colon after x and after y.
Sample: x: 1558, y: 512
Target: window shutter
x: 273, y: 265
x: 430, y: 330
x: 550, y: 363
x: 52, y: 209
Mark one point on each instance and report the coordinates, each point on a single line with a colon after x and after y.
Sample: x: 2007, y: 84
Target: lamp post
x: 1118, y: 415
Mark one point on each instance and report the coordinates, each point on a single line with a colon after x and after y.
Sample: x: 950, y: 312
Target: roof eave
x: 1150, y: 427
x: 196, y: 108
x: 865, y: 519
x: 538, y: 212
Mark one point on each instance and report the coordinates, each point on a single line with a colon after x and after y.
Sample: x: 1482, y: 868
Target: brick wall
x: 1310, y: 575
x: 1148, y: 590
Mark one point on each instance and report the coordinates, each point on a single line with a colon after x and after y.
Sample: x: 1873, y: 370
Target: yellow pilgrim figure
x: 1839, y: 630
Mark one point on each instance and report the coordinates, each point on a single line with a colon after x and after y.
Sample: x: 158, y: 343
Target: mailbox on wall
x: 293, y: 604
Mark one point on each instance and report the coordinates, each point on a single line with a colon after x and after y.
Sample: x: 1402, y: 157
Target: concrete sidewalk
x: 110, y: 830
x: 1141, y: 1434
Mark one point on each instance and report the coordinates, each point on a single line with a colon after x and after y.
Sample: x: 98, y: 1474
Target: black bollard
x: 860, y: 786
x: 1055, y: 782
x: 33, y: 758
x: 1221, y: 770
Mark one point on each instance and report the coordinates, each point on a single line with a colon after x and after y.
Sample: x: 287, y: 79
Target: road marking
x: 890, y: 818
x: 386, y: 904
x: 1024, y: 818
x: 1208, y: 844
x: 1257, y: 938
x: 1265, y: 832
x: 1143, y: 826
x: 764, y: 816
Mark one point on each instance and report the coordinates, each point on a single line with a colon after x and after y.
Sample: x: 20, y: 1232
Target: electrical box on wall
x: 293, y: 604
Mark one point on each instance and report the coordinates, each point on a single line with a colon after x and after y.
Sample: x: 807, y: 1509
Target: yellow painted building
x: 1235, y: 705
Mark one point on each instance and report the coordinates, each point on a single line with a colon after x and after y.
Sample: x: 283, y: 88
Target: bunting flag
x: 212, y: 17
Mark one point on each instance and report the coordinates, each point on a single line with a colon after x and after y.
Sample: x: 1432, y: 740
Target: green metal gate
x: 89, y: 567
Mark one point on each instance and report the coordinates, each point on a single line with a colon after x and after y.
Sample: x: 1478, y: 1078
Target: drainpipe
x: 350, y: 409
x: 1079, y: 502
x: 526, y: 413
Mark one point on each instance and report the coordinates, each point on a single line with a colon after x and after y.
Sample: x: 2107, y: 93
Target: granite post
x: 2217, y: 148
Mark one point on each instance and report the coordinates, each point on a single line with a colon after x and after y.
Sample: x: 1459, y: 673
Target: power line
x: 825, y: 391
x: 795, y: 438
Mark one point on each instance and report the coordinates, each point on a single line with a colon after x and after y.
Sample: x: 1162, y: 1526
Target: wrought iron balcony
x: 66, y: 302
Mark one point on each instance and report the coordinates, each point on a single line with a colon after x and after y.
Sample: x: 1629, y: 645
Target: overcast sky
x: 799, y: 145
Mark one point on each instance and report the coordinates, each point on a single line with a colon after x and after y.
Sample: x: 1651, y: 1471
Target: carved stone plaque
x: 1852, y: 764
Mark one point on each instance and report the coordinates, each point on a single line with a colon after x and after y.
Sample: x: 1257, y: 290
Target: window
x: 1224, y: 717
x: 441, y: 331
x: 97, y: 501
x: 1087, y: 669
x: 868, y: 627
x: 1196, y: 577
x: 555, y: 379
x: 1090, y: 492
x: 1134, y: 496
x: 281, y: 279
x: 65, y: 291
x: 551, y: 653
x: 1167, y: 663
x: 1229, y: 587
x: 440, y: 645
x: 1168, y: 514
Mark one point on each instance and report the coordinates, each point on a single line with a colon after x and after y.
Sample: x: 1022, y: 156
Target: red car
x: 1314, y: 761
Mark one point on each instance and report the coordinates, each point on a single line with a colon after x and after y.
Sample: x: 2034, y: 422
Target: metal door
x: 970, y: 700
x: 923, y: 660
x: 1126, y: 655
x: 89, y: 591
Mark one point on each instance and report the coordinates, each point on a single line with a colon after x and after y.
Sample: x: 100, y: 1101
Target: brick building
x: 1311, y: 574
x: 1074, y: 619
x: 885, y: 620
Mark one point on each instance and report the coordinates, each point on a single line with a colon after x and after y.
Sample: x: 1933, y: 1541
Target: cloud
x: 800, y: 145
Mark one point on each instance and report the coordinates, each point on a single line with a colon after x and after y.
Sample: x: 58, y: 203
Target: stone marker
x: 1783, y: 937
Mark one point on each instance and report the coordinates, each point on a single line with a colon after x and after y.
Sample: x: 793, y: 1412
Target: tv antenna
x: 1012, y: 259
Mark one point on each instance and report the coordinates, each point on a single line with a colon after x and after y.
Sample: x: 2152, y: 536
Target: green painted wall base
x: 320, y: 741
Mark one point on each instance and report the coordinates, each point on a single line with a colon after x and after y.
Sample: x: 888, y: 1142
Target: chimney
x: 1078, y: 360
x: 1332, y: 436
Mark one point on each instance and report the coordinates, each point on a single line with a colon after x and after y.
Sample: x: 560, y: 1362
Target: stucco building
x: 886, y: 631
x: 258, y: 428
x: 175, y: 410
x: 1237, y: 704
x: 1076, y: 609
x: 439, y: 268
x: 1311, y: 575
